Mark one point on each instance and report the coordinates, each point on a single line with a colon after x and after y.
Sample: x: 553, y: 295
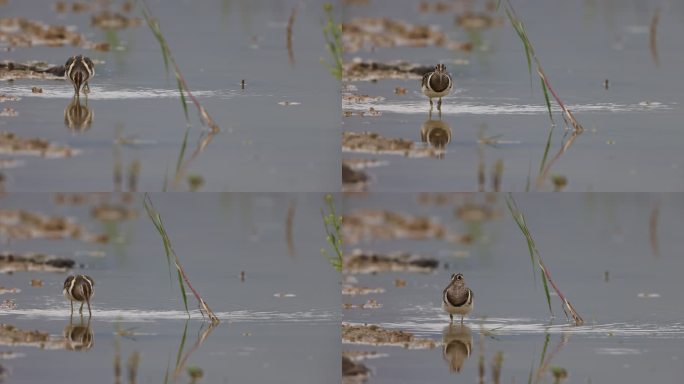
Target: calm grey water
x: 633, y: 132
x: 626, y: 338
x: 275, y: 327
x: 264, y: 146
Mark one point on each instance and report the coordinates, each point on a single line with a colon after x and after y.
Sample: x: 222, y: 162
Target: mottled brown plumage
x: 79, y: 69
x: 437, y: 84
x: 79, y: 288
x: 457, y: 298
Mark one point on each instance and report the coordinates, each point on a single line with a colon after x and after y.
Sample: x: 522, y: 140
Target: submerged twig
x: 653, y: 36
x: 289, y: 224
x: 290, y: 23
x: 172, y: 257
x: 199, y: 148
x: 536, y: 258
x: 653, y: 229
x: 531, y: 56
x: 565, y: 145
x: 180, y: 363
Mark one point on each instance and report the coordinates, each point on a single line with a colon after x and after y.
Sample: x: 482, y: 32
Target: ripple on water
x: 461, y: 106
x: 109, y: 92
x: 136, y: 315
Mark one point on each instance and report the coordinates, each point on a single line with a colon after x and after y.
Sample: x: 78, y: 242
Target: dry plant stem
x: 653, y: 229
x: 520, y: 220
x: 653, y: 37
x: 290, y: 23
x: 200, y: 339
x: 289, y: 227
x: 564, y: 147
x: 543, y: 367
x: 154, y: 26
x: 518, y: 26
x: 201, y: 145
x: 156, y: 218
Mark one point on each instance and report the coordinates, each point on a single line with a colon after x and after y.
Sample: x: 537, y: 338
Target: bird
x: 437, y: 84
x: 436, y: 133
x: 79, y: 288
x: 79, y: 69
x: 78, y: 337
x: 78, y: 117
x: 457, y: 344
x: 457, y: 299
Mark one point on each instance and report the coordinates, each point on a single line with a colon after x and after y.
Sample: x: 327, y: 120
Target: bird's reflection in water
x: 78, y: 337
x: 457, y: 343
x: 436, y: 133
x: 78, y: 117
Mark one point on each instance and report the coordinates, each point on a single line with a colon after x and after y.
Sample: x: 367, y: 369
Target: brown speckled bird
x: 437, y: 84
x: 79, y: 288
x: 79, y: 69
x: 457, y: 299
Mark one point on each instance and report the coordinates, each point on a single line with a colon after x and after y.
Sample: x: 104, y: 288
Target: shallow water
x: 632, y: 135
x: 633, y: 330
x: 273, y: 328
x: 263, y: 146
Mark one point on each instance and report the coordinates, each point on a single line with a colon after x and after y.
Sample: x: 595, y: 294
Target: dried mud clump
x: 10, y: 70
x: 113, y: 20
x: 21, y: 32
x: 351, y: 290
x: 374, y: 224
x: 370, y: 142
x: 371, y: 33
x: 354, y: 98
x: 359, y: 70
x: 25, y: 225
x: 8, y: 112
x: 4, y: 98
x: 10, y: 263
x: 353, y: 372
x: 109, y: 212
x: 13, y: 144
x: 370, y: 304
x: 15, y: 337
x: 362, y: 262
x: 375, y: 335
x: 476, y: 212
x: 477, y: 21
x: 353, y: 180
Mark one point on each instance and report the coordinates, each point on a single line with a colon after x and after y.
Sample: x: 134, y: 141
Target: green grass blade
x: 546, y: 151
x: 181, y: 155
x: 546, y: 290
x: 546, y: 345
x: 546, y: 98
x: 182, y: 344
x: 182, y: 288
x: 183, y: 101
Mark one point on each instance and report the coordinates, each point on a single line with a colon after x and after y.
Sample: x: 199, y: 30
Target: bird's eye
x: 459, y: 277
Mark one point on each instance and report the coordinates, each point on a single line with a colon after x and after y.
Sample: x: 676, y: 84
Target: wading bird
x: 79, y: 288
x: 437, y: 84
x: 457, y: 299
x: 79, y: 69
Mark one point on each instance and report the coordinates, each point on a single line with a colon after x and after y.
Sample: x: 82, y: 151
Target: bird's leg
x: 430, y: 104
x: 439, y: 104
x: 80, y: 311
x: 89, y: 312
x: 451, y: 318
x: 72, y: 307
x: 461, y: 320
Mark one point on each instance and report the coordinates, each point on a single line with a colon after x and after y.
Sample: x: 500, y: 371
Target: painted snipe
x: 79, y: 288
